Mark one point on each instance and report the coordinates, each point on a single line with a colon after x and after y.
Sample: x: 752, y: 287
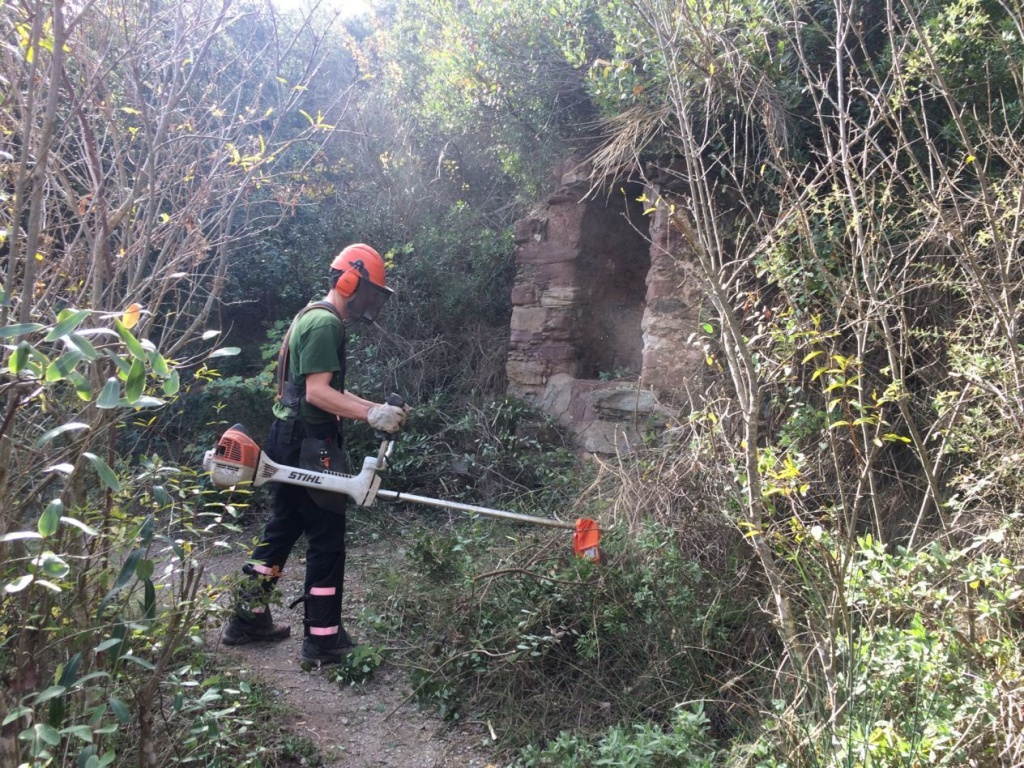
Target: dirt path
x: 372, y: 725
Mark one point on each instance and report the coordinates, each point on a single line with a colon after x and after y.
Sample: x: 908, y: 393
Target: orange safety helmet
x: 357, y: 261
x: 357, y: 274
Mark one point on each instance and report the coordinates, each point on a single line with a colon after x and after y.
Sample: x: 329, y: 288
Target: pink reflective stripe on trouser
x: 266, y: 570
x: 321, y: 631
x: 323, y: 591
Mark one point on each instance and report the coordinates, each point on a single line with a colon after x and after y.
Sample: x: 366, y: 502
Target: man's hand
x: 387, y: 418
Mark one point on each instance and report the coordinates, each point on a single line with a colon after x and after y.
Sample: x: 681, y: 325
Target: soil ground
x: 368, y: 726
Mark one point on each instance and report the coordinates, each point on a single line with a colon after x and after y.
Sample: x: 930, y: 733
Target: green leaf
x: 159, y: 364
x: 144, y: 569
x: 111, y: 394
x: 135, y: 382
x: 146, y: 402
x: 225, y: 352
x: 127, y: 572
x: 105, y: 472
x: 69, y: 672
x: 84, y: 732
x: 123, y: 364
x: 63, y: 366
x: 16, y: 713
x: 52, y: 692
x: 134, y: 347
x: 87, y: 529
x: 19, y: 359
x: 67, y: 321
x: 138, y: 661
x: 19, y: 583
x: 49, y: 521
x: 708, y: 328
x: 120, y: 709
x: 71, y: 426
x: 83, y: 345
x: 82, y: 386
x: 171, y: 384
x: 17, y: 535
x: 20, y: 329
x: 52, y: 566
x: 45, y: 733
x: 149, y: 599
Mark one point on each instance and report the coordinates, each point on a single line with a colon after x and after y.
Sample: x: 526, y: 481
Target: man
x: 312, y: 401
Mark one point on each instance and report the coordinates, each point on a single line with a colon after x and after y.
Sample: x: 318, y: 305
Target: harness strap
x: 282, y: 355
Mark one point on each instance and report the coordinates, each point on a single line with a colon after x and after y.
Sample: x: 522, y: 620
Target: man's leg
x: 325, y: 641
x: 252, y: 620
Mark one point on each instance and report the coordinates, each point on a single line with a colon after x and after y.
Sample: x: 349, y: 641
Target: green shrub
x: 684, y: 744
x: 926, y: 661
x: 534, y: 637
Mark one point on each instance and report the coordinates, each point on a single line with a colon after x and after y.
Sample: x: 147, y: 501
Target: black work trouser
x: 294, y: 513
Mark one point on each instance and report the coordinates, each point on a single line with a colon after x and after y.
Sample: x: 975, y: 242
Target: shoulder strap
x: 282, y: 355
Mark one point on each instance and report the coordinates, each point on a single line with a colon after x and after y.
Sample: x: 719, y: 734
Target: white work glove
x: 387, y: 418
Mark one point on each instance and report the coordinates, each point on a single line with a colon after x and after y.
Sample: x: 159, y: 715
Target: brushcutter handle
x: 398, y: 401
x: 387, y: 440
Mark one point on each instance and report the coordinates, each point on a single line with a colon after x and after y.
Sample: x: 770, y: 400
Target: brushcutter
x: 237, y: 460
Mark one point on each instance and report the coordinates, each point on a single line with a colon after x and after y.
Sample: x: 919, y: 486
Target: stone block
x: 544, y: 253
x: 607, y: 437
x: 624, y: 402
x: 524, y: 295
x: 529, y: 319
x: 560, y: 297
x: 557, y: 397
x: 529, y: 230
x: 520, y: 339
x: 673, y: 327
x: 526, y: 372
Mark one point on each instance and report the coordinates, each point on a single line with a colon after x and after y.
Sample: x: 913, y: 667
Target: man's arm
x: 344, y: 404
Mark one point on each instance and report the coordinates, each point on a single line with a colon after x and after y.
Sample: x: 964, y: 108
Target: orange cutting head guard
x: 586, y: 539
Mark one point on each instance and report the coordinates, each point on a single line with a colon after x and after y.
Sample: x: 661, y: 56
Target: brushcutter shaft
x: 485, y: 511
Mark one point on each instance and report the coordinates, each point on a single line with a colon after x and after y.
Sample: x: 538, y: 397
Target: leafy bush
x: 533, y: 637
x: 927, y: 655
x: 359, y: 666
x: 684, y: 744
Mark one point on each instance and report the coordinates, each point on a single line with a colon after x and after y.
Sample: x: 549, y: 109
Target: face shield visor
x: 366, y: 301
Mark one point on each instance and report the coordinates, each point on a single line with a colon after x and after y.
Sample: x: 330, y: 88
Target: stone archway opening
x: 614, y: 259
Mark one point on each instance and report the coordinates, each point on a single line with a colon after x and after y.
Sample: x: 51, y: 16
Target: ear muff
x: 345, y: 282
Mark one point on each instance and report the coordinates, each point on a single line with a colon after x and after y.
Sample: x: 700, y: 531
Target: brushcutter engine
x: 234, y: 459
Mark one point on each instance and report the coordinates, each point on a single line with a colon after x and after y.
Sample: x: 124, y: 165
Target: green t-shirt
x: 315, y: 346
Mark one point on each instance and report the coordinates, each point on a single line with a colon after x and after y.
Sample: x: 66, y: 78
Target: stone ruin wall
x: 604, y: 305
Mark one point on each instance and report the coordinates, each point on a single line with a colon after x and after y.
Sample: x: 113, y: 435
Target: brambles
x: 532, y: 637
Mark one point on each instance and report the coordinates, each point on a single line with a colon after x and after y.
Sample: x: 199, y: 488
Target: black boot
x: 251, y: 621
x: 324, y: 651
x: 326, y: 641
x: 253, y: 628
